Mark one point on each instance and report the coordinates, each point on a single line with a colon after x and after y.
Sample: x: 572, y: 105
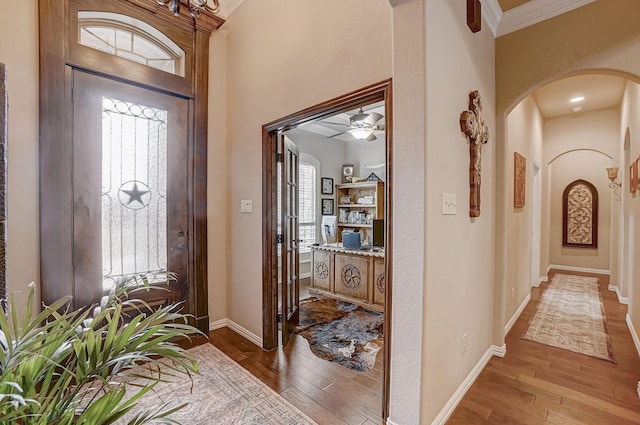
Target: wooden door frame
x: 59, y: 55
x: 370, y: 94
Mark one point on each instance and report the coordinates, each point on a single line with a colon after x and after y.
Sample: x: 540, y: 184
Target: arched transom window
x: 131, y: 39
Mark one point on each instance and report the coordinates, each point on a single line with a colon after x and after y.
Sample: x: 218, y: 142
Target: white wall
x: 459, y: 253
x: 581, y: 146
x: 524, y: 135
x: 19, y: 51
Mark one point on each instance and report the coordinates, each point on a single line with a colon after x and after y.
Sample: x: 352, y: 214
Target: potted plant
x: 92, y: 365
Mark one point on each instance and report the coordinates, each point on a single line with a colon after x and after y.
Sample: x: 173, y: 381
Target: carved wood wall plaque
x: 473, y: 126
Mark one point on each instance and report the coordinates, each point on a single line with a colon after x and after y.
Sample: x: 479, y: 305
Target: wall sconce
x: 613, y: 185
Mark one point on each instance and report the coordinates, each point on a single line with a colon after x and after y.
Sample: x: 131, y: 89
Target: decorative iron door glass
x: 130, y: 187
x: 134, y: 190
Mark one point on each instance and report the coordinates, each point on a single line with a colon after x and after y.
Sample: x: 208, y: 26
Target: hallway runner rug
x: 570, y: 315
x: 341, y: 332
x: 224, y: 393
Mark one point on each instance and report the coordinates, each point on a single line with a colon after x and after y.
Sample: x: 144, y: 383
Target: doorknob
x: 180, y: 233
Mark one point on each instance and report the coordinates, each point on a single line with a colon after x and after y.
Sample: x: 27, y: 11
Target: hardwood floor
x: 538, y: 384
x: 326, y: 392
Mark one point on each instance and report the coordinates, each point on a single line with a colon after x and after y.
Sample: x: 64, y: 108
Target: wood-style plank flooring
x: 538, y: 384
x: 326, y: 392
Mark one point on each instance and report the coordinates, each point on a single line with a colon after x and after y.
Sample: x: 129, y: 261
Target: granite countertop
x: 364, y: 251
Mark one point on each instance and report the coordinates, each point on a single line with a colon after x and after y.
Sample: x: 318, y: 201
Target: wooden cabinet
x: 349, y: 275
x: 358, y: 205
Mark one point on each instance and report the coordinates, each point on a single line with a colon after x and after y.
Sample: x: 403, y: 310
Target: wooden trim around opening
x: 370, y: 94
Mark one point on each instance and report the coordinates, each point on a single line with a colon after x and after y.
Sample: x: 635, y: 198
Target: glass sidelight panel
x: 134, y: 191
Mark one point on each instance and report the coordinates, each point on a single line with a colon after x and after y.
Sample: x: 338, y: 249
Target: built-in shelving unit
x: 358, y: 205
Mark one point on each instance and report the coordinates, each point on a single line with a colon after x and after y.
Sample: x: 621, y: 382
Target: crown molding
x: 534, y: 12
x: 492, y: 14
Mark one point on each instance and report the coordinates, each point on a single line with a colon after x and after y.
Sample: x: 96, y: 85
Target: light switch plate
x: 449, y: 204
x: 246, y: 206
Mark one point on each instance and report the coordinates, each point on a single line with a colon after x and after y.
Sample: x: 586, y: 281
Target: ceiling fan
x: 362, y: 125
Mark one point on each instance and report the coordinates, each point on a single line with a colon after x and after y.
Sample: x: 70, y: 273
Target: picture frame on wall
x: 633, y: 176
x: 326, y: 185
x: 327, y: 206
x: 519, y: 179
x: 347, y: 172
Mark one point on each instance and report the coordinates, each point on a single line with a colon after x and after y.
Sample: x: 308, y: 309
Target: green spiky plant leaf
x: 91, y: 366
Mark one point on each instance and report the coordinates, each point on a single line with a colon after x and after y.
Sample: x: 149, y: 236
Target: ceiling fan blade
x: 372, y: 118
x: 334, y: 123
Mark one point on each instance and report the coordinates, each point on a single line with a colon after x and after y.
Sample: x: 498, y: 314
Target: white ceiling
x: 599, y: 92
x: 336, y: 126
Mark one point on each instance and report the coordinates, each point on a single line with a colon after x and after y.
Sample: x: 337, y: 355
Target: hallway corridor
x: 538, y: 384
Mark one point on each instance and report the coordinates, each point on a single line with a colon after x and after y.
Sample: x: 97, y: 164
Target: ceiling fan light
x: 361, y: 133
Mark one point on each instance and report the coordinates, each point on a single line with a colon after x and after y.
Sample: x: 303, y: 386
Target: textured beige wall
x: 581, y: 147
x: 19, y: 51
x: 217, y: 178
x: 525, y: 136
x: 459, y: 258
x: 409, y: 224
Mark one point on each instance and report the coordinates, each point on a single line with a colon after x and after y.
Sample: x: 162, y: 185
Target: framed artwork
x: 326, y: 184
x: 519, y: 179
x: 327, y: 207
x: 347, y: 173
x: 580, y: 215
x: 633, y: 176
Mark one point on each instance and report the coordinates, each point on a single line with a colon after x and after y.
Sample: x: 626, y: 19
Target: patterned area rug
x: 570, y: 315
x: 341, y: 332
x: 223, y: 394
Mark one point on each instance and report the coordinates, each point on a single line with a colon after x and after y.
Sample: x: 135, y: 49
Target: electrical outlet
x: 246, y: 206
x: 463, y: 344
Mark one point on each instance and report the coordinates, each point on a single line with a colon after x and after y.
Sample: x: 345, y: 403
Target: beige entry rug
x: 224, y: 393
x: 570, y: 315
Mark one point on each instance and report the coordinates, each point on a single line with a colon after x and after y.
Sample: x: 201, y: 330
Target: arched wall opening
x: 524, y: 129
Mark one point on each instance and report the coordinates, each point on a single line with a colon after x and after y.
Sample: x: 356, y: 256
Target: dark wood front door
x: 290, y: 252
x: 130, y: 187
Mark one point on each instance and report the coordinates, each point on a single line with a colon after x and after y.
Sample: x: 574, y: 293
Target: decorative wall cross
x: 473, y: 126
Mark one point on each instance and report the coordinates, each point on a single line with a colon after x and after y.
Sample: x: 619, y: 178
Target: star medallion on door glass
x: 134, y: 194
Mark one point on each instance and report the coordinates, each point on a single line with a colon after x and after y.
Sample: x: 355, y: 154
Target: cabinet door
x: 352, y: 276
x: 379, y: 283
x: 322, y: 273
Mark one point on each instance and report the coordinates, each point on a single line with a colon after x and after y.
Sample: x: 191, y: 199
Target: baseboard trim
x: 621, y: 299
x: 517, y: 314
x: 634, y: 334
x: 453, y: 402
x: 390, y: 422
x: 226, y: 323
x: 579, y: 269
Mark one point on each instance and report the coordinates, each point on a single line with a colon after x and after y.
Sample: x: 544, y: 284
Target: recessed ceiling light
x: 577, y: 108
x: 576, y: 99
